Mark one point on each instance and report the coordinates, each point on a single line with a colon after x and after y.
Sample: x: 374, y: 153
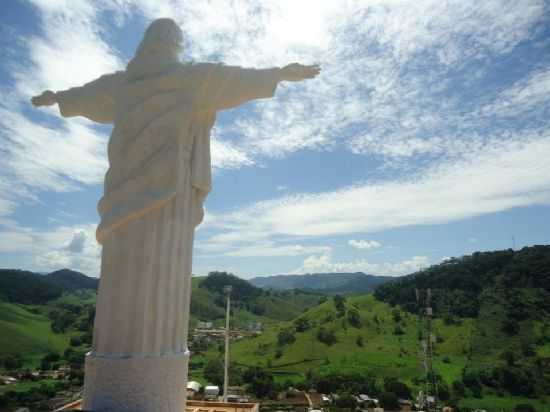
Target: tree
x: 359, y: 341
x: 398, y: 330
x: 346, y: 401
x: 213, y: 372
x: 509, y: 357
x: 524, y: 407
x: 11, y: 362
x: 396, y: 314
x: 354, y: 319
x: 389, y: 400
x: 75, y: 341
x: 510, y: 327
x: 285, y: 337
x: 302, y: 324
x: 397, y: 387
x: 260, y: 383
x: 458, y: 389
x: 340, y: 303
x: 326, y: 336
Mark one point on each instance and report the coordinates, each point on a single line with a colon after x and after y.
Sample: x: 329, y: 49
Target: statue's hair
x: 160, y: 45
x: 162, y: 35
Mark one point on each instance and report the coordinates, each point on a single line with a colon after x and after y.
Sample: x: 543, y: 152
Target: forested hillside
x: 21, y: 286
x: 458, y: 284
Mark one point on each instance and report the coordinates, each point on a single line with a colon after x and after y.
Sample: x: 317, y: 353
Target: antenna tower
x: 427, y: 339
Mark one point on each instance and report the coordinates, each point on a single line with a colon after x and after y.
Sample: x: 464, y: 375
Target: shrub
x: 389, y: 400
x: 302, y: 324
x: 326, y: 336
x: 285, y: 337
x: 213, y: 372
x: 524, y: 407
x: 354, y: 319
x: 346, y: 401
x: 396, y: 314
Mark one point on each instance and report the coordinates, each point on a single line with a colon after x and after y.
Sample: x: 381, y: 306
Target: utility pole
x: 227, y: 290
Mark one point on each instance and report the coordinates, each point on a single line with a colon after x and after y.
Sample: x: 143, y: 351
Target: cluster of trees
x: 517, y: 379
x: 388, y: 393
x: 36, y: 397
x: 11, y: 362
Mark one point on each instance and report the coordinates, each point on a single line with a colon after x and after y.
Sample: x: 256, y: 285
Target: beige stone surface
x: 162, y: 111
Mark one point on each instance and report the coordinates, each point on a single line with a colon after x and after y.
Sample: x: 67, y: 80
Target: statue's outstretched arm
x: 94, y: 100
x: 296, y: 72
x: 226, y: 87
x: 47, y: 98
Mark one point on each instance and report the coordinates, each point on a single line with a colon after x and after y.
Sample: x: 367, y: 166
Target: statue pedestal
x: 136, y: 384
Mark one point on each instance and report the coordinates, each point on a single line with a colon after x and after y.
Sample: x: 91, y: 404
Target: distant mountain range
x: 329, y: 283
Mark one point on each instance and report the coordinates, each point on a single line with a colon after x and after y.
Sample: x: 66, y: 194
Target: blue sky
x: 426, y: 136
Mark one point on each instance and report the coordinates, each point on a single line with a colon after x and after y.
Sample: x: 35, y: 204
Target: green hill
x: 248, y: 302
x: 28, y: 334
x: 369, y: 342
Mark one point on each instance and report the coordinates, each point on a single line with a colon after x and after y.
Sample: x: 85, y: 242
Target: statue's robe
x: 159, y: 175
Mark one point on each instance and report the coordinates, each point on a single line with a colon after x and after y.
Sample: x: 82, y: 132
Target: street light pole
x: 227, y: 289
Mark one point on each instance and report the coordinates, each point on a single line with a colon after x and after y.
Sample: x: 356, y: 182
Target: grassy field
x: 383, y: 353
x: 29, y: 334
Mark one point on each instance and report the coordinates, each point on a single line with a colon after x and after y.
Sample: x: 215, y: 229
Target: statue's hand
x: 45, y: 99
x: 295, y: 72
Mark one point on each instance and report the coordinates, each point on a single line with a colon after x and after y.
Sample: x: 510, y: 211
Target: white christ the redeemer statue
x: 159, y: 175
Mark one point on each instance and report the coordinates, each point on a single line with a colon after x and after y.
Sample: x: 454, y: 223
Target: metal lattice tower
x: 427, y: 339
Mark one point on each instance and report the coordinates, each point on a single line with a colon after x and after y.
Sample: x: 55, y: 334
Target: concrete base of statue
x: 136, y: 384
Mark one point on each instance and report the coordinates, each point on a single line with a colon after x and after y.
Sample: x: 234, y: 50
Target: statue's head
x: 163, y: 36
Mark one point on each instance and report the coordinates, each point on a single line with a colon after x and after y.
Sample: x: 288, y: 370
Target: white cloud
x: 364, y: 244
x: 45, y: 158
x: 70, y: 49
x: 457, y: 190
x: 72, y: 247
x: 529, y: 96
x: 324, y: 263
x: 226, y: 156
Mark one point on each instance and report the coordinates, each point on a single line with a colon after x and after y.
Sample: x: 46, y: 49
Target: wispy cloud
x: 324, y: 263
x: 364, y: 244
x: 465, y: 188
